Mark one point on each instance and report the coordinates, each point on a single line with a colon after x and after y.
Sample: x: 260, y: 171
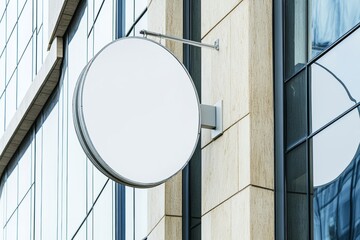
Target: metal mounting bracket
x: 212, y: 118
x: 185, y: 41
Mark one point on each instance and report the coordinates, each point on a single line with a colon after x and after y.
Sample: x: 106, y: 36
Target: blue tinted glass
x: 331, y: 20
x: 313, y: 25
x: 335, y: 156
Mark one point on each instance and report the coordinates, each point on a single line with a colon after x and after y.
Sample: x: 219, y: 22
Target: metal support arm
x: 211, y: 118
x: 185, y: 41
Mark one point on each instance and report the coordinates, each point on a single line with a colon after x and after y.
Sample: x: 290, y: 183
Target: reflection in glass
x: 332, y: 19
x: 133, y: 10
x: 312, y: 26
x: 296, y: 193
x: 335, y: 157
x: 338, y: 70
x: 296, y: 36
x: 296, y: 123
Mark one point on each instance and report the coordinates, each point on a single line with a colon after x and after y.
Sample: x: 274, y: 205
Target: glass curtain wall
x: 23, y: 48
x: 50, y: 190
x: 322, y: 119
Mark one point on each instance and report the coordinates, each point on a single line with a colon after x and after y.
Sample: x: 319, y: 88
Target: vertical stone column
x: 238, y: 167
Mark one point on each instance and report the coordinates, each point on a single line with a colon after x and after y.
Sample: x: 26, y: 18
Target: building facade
x: 285, y: 167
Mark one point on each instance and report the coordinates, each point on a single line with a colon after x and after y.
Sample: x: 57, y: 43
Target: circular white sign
x: 137, y: 112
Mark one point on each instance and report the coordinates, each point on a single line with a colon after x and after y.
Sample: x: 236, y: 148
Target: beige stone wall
x: 165, y: 201
x: 238, y: 167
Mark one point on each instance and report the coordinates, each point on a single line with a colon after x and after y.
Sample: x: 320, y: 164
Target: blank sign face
x: 136, y: 112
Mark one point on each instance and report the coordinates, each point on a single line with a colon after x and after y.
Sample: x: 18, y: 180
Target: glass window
x: 76, y: 158
x: 24, y: 218
x: 129, y: 213
x: 335, y: 86
x: 335, y: 156
x: 90, y: 45
x: 11, y: 227
x: 45, y: 28
x: 312, y: 26
x: 11, y: 55
x: 2, y: 215
x: 139, y: 8
x: 25, y: 27
x: 2, y: 73
x: 140, y: 213
x: 333, y: 149
x: 129, y: 16
x: 50, y: 175
x: 331, y: 20
x: 296, y: 35
x: 39, y: 47
x: 296, y: 118
x: 25, y: 73
x: 97, y: 5
x: 38, y: 183
x: 103, y: 35
x: 99, y: 180
x: 10, y: 100
x: 103, y: 214
x: 81, y: 234
x: 11, y: 15
x: 90, y: 11
x: 90, y: 189
x: 39, y: 14
x: 2, y: 115
x: 135, y: 213
x: 296, y: 193
x: 11, y: 192
x: 2, y: 34
x: 2, y: 7
x: 21, y: 5
x: 25, y: 172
